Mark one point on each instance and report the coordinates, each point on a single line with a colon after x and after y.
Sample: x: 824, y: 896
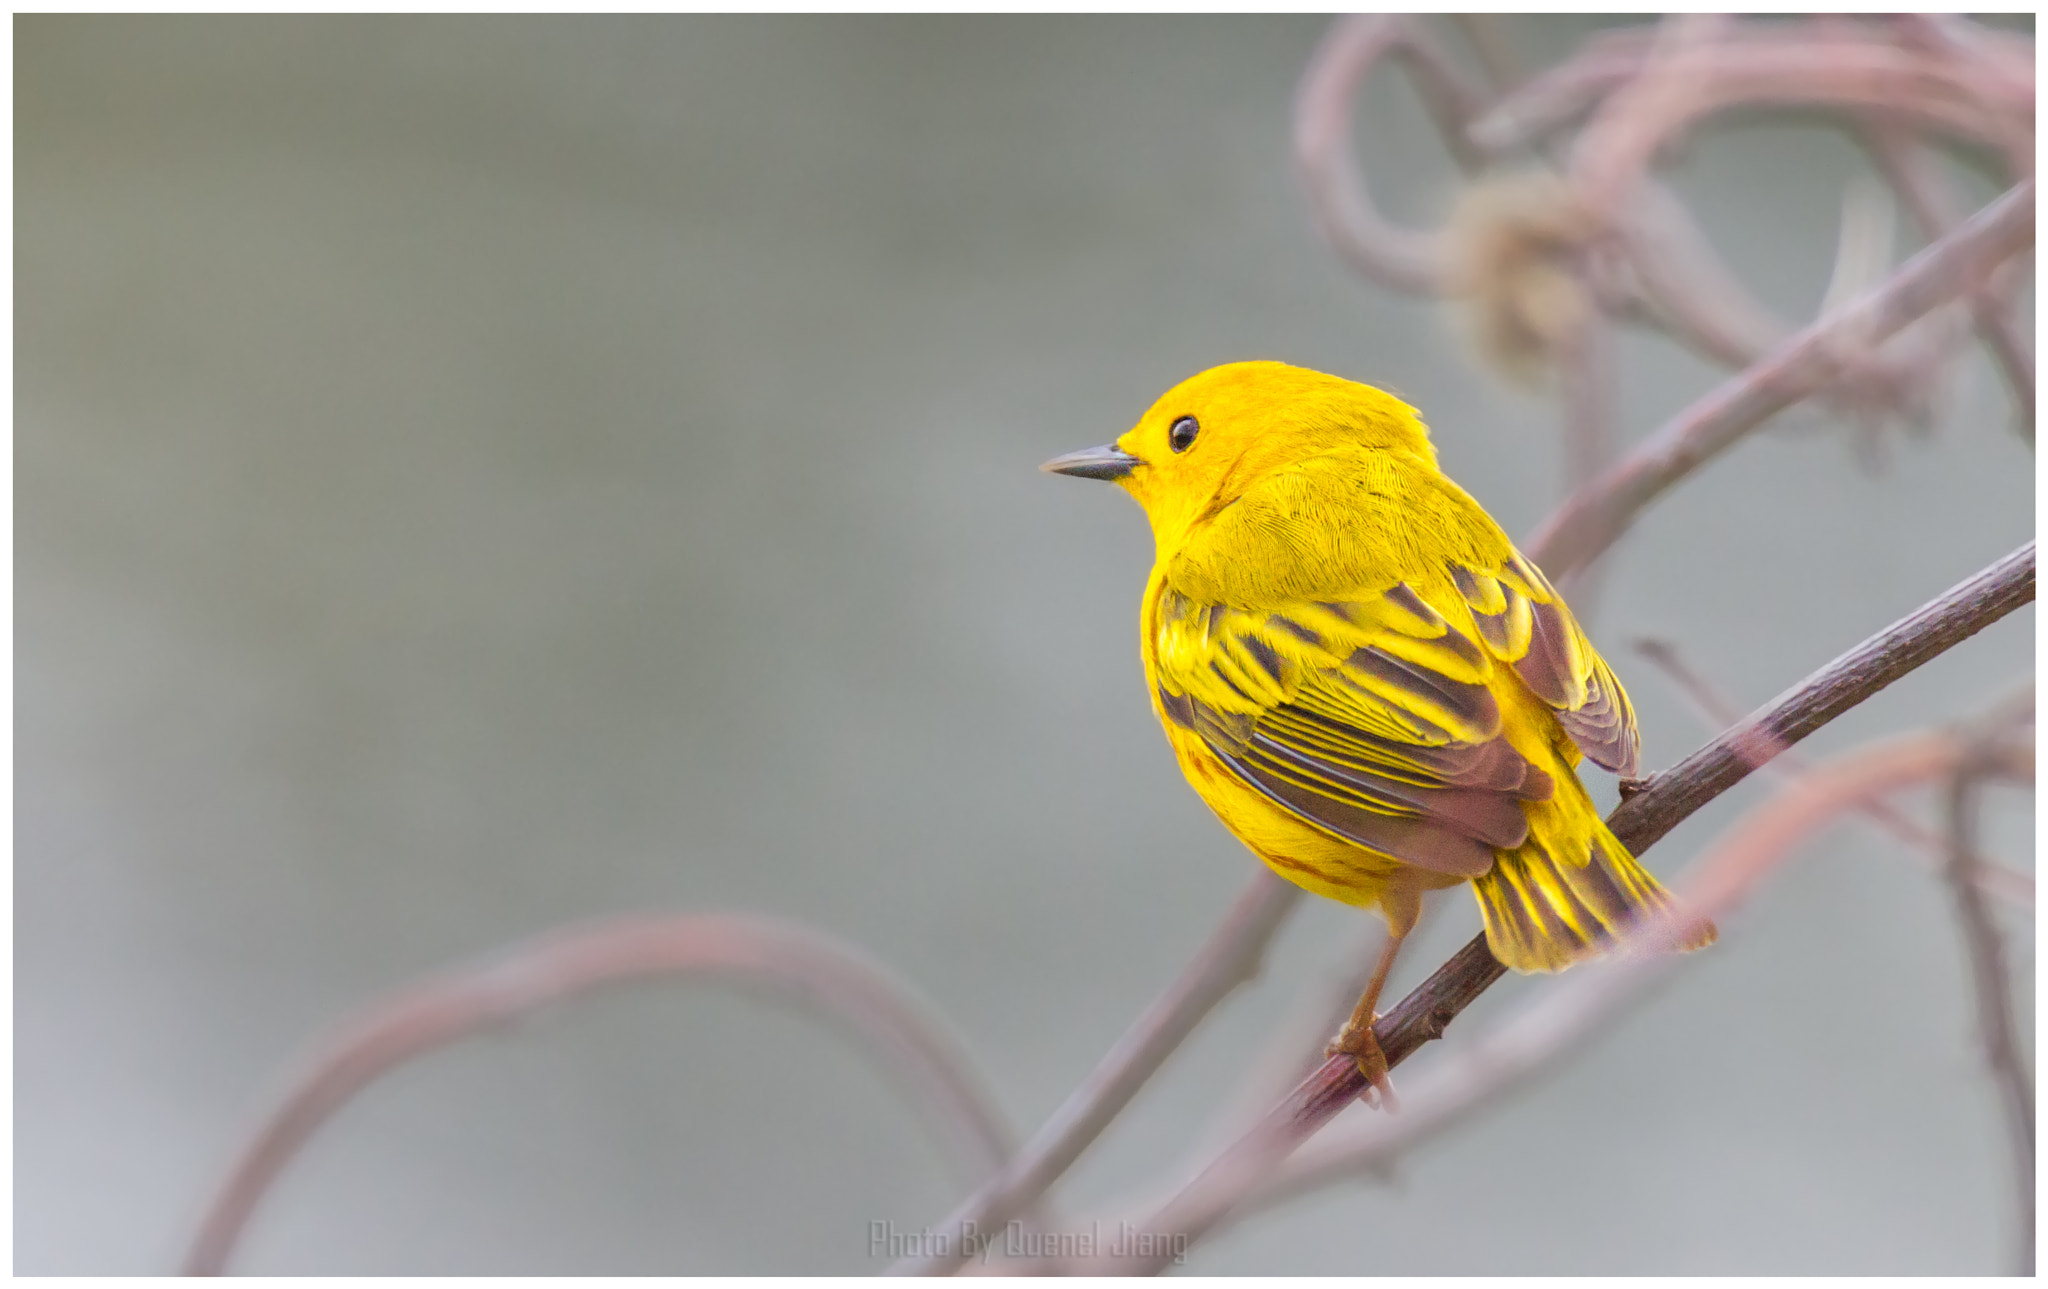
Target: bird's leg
x: 1356, y: 1039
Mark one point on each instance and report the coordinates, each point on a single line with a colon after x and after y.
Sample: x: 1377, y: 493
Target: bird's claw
x: 1359, y: 1043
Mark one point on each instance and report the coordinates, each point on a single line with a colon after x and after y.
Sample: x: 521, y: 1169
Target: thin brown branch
x: 1989, y: 751
x: 1959, y: 263
x: 834, y: 979
x: 1639, y: 822
x: 1966, y: 609
x: 1293, y: 1045
x: 1230, y: 958
x: 1997, y: 880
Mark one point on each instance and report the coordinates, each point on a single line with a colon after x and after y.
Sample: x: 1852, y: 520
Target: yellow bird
x: 1363, y: 678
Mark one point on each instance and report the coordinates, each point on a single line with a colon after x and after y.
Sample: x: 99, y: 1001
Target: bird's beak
x: 1106, y: 462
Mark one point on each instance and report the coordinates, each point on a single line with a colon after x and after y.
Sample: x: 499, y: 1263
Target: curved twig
x: 1998, y: 69
x: 840, y: 982
x: 1324, y: 155
x: 1974, y: 95
x: 1724, y: 75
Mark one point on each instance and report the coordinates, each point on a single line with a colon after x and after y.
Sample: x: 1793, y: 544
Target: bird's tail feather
x: 1543, y: 915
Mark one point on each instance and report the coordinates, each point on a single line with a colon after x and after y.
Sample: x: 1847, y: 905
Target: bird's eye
x: 1182, y: 436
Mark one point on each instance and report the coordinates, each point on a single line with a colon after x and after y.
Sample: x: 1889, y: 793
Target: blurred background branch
x: 835, y: 981
x: 1593, y: 517
x: 1231, y: 958
x: 1996, y: 746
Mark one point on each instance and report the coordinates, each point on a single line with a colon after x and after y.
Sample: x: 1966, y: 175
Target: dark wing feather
x: 1369, y: 718
x: 1524, y: 622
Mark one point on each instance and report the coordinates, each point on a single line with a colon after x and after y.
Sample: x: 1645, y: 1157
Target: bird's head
x: 1213, y: 436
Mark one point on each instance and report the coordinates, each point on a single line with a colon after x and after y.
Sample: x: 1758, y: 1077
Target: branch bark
x: 1716, y: 712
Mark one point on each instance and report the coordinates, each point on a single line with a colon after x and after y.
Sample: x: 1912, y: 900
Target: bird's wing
x: 1524, y: 623
x: 1372, y: 718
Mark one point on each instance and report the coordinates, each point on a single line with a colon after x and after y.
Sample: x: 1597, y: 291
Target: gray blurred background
x: 478, y: 475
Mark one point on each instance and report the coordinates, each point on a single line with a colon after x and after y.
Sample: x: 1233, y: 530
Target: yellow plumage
x: 1361, y: 676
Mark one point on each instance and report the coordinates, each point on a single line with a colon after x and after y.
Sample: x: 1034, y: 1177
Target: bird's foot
x: 1358, y: 1043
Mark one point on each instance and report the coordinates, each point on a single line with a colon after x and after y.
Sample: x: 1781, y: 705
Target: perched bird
x: 1363, y: 678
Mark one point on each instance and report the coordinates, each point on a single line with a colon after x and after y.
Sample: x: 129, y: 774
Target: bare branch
x: 1231, y: 958
x: 1997, y: 880
x: 823, y: 974
x: 1954, y: 266
x: 1966, y: 609
x: 1638, y: 822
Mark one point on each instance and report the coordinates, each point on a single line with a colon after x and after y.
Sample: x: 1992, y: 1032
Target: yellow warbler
x: 1363, y: 678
